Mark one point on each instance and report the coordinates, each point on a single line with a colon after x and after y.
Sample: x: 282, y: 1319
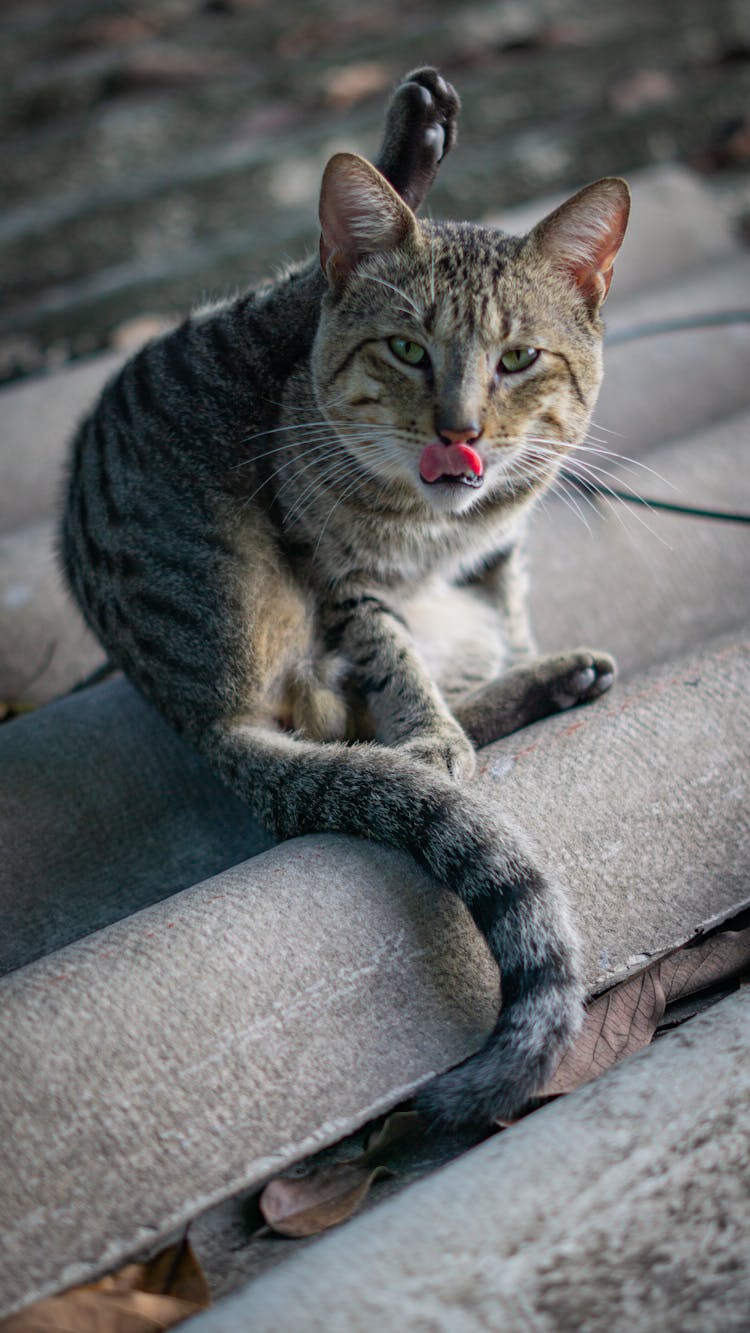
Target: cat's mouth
x: 456, y: 464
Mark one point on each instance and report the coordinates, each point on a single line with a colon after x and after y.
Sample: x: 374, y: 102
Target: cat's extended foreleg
x: 420, y: 129
x: 407, y: 708
x: 532, y: 691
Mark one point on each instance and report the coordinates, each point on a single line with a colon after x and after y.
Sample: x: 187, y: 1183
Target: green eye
x: 412, y: 353
x: 518, y: 358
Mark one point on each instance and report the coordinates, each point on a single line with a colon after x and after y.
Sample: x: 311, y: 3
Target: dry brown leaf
x: 396, y: 1127
x: 140, y: 1298
x: 718, y: 958
x: 625, y: 1018
x: 305, y: 1205
x: 617, y: 1023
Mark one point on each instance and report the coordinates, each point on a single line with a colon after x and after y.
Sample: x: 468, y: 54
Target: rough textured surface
x: 621, y: 1206
x: 38, y: 418
x: 104, y: 811
x: 162, y: 1062
x: 199, y: 1044
x: 644, y: 584
x: 157, y: 151
x: 46, y: 647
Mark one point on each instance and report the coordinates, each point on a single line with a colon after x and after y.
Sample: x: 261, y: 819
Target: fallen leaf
x: 313, y: 1203
x: 395, y: 1128
x: 326, y: 1196
x: 617, y: 1023
x: 717, y: 958
x: 625, y: 1018
x: 133, y: 333
x: 140, y: 1298
x: 642, y: 88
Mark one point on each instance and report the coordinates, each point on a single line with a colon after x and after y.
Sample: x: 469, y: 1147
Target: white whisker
x: 370, y: 277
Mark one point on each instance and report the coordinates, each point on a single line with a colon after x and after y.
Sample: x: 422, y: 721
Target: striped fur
x: 247, y: 532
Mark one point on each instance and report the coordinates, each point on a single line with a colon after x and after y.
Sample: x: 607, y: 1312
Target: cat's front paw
x: 445, y: 747
x: 579, y: 677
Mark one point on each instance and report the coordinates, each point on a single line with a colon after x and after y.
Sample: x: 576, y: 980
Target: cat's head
x: 456, y: 362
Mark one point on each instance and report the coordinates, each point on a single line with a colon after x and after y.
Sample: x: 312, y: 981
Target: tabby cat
x: 294, y: 522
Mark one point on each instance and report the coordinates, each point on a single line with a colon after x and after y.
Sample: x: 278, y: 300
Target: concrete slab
x: 45, y: 646
x: 190, y: 1051
x: 676, y: 227
x: 37, y: 418
x: 623, y: 1205
x: 104, y: 810
x: 644, y: 584
x: 662, y: 388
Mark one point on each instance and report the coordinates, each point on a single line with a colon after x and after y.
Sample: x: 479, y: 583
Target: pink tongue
x: 449, y: 460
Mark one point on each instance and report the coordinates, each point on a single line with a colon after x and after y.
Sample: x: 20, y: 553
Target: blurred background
x: 158, y: 153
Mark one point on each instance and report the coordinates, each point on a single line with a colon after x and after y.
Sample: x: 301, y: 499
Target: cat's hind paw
x: 580, y: 677
x: 431, y: 105
x: 420, y: 129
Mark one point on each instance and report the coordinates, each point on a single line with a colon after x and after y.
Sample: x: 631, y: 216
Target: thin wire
x: 661, y: 326
x: 690, y: 511
x: 680, y: 325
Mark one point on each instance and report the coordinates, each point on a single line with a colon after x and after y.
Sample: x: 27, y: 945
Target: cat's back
x: 161, y: 541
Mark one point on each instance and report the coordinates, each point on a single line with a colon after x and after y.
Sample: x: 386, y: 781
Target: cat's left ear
x: 584, y: 234
x: 360, y: 214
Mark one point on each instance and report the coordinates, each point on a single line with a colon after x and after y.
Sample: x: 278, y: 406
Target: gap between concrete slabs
x: 622, y: 1205
x: 165, y: 1062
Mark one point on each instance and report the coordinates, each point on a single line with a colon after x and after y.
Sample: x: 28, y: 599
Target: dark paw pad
x: 420, y: 129
x: 431, y: 105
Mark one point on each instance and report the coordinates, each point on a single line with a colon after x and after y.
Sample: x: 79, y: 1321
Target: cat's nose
x: 461, y: 435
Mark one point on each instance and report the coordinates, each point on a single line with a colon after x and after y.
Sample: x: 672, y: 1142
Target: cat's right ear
x: 360, y: 214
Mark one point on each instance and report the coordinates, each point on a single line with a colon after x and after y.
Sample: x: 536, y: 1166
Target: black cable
x: 682, y: 324
x: 691, y: 511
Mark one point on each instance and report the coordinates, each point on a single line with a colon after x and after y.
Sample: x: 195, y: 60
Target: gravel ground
x: 156, y: 153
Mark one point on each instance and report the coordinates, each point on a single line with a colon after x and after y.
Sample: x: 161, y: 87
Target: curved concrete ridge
x: 622, y: 1205
x: 104, y: 810
x: 676, y: 227
x: 170, y: 1059
x: 644, y: 584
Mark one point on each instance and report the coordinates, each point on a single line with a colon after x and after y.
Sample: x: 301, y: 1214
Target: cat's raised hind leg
x: 532, y: 691
x: 420, y: 129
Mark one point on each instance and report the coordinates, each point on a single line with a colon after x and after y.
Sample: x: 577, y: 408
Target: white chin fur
x: 449, y: 498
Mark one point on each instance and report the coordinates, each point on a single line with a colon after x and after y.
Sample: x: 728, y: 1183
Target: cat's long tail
x: 370, y: 791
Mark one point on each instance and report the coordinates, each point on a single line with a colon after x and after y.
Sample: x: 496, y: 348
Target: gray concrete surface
x: 104, y: 810
x: 645, y: 584
x: 621, y: 1206
x: 163, y: 1062
x: 163, y: 1052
